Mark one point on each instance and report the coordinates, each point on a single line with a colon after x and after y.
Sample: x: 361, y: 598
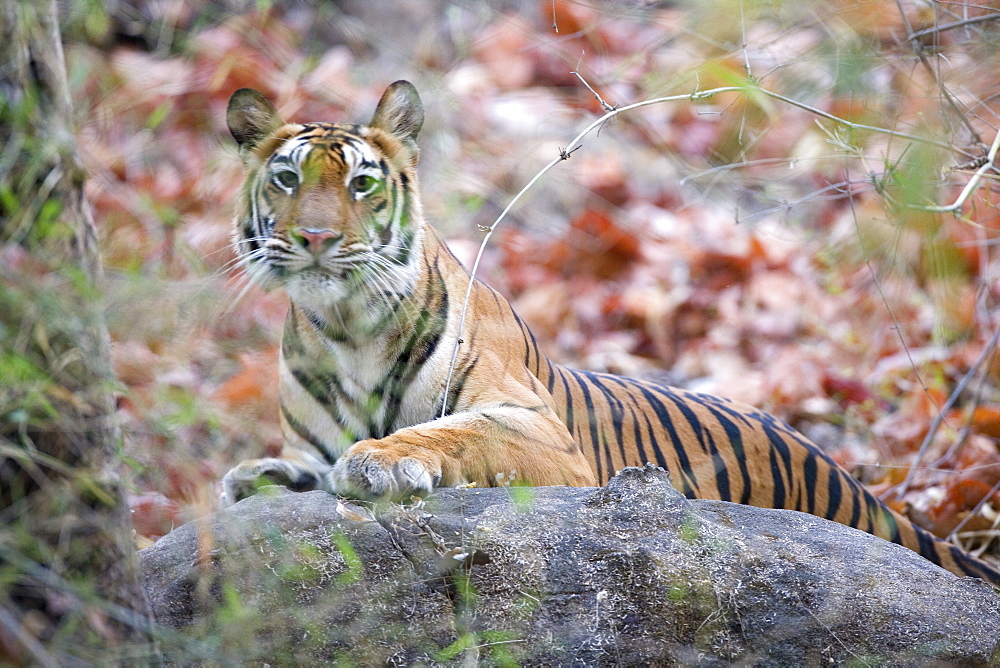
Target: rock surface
x: 628, y: 574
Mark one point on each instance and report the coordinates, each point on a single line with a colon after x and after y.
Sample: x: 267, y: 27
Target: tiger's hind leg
x: 296, y: 470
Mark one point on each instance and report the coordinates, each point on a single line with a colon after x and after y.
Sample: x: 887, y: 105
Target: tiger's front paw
x: 244, y: 479
x: 367, y: 471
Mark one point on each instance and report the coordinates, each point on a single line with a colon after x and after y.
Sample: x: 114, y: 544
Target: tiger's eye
x: 362, y: 183
x: 287, y: 179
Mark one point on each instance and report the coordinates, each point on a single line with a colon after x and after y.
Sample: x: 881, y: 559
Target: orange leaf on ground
x: 898, y: 505
x: 153, y: 514
x: 845, y: 390
x: 960, y: 496
x: 976, y: 471
x: 968, y: 492
x: 134, y: 362
x: 594, y: 245
x: 546, y: 306
x: 505, y: 51
x: 985, y: 420
x: 900, y: 433
x: 721, y: 261
x: 569, y: 17
x: 187, y: 479
x: 253, y: 383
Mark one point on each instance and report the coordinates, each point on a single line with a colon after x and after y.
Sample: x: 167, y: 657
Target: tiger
x: 385, y: 395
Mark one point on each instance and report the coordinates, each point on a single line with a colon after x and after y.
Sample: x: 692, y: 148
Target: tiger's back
x: 724, y: 450
x: 717, y: 448
x: 372, y: 404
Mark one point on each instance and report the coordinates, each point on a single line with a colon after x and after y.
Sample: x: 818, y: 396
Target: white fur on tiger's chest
x: 359, y: 373
x: 368, y: 367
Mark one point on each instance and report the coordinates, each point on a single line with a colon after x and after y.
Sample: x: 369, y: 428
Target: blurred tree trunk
x: 70, y: 591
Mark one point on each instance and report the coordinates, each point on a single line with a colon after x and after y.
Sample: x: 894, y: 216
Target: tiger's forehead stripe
x: 293, y: 151
x: 355, y: 152
x: 358, y: 154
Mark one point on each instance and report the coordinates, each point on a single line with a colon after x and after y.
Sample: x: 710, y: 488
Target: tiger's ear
x: 401, y: 113
x: 252, y: 119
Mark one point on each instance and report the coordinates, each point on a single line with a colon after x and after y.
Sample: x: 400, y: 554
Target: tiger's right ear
x: 401, y: 113
x: 252, y: 119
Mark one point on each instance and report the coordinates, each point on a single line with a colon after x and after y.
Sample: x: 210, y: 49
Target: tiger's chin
x: 318, y: 292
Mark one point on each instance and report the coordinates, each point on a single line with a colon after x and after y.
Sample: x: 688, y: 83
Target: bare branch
x: 604, y: 105
x: 918, y: 49
x: 940, y: 417
x: 973, y: 183
x: 951, y: 26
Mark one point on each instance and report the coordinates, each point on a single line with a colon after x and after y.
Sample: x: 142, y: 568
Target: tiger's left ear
x: 252, y: 119
x: 400, y: 113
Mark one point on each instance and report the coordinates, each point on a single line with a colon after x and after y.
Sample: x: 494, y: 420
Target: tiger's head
x: 329, y: 211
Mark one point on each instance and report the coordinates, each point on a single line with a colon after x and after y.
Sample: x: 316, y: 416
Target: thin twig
x: 974, y: 512
x: 930, y: 469
x: 709, y: 171
x: 862, y: 126
x: 940, y: 417
x: 604, y: 105
x: 743, y: 44
x: 973, y: 183
x: 29, y: 643
x: 496, y: 642
x: 918, y: 48
x: 885, y: 301
x: 843, y: 189
x: 951, y: 26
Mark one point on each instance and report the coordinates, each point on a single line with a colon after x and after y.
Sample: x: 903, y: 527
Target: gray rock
x: 628, y: 574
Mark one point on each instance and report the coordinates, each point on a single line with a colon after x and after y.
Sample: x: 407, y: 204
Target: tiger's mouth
x: 346, y: 269
x: 313, y: 271
x: 278, y: 270
x: 332, y: 273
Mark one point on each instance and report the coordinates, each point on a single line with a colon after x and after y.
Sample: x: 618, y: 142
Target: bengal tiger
x: 331, y: 213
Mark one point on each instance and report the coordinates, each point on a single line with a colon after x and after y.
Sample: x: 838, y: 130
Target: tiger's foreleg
x: 492, y: 445
x: 297, y: 470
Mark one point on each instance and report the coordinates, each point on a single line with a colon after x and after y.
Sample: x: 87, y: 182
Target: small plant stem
x: 940, y: 417
x: 604, y: 105
x: 955, y: 24
x: 973, y: 183
x: 918, y: 49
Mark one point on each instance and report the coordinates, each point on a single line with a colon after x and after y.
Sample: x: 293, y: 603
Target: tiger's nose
x: 316, y: 241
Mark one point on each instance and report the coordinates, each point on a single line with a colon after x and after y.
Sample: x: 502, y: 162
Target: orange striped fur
x: 331, y: 213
